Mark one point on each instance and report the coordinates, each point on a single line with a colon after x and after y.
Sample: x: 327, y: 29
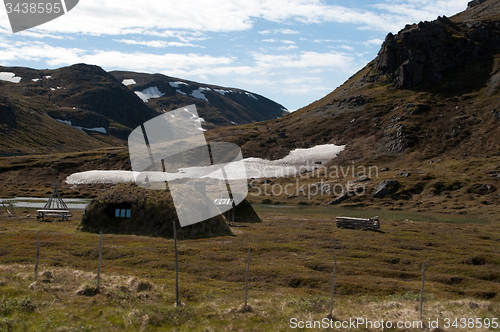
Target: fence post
x: 333, y: 285
x: 37, y: 254
x: 246, y: 285
x: 99, y: 264
x: 177, y: 302
x: 422, y: 291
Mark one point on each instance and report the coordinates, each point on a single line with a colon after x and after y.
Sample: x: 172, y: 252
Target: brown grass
x: 378, y: 274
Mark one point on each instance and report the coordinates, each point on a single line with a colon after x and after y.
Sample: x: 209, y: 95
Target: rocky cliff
x: 425, y: 51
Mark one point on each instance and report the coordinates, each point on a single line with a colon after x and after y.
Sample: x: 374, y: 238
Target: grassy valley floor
x: 378, y: 274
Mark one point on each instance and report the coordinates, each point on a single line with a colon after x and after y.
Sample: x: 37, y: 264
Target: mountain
x: 431, y: 92
x: 425, y: 111
x: 83, y: 96
x: 218, y: 106
x: 82, y: 107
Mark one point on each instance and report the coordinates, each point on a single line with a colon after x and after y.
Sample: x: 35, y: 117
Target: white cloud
x: 154, y: 43
x: 307, y: 89
x: 288, y: 32
x: 282, y: 31
x: 285, y: 48
x: 347, y: 47
x: 319, y: 41
x: 330, y: 61
x: 60, y: 56
x: 374, y: 42
x: 119, y: 17
x: 420, y: 10
x: 300, y: 80
x: 288, y: 42
x: 34, y: 34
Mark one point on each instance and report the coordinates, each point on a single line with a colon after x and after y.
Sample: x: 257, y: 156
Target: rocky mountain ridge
x: 218, y: 106
x: 83, y: 107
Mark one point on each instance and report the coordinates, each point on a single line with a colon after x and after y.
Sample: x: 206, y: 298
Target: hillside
x: 78, y: 95
x: 82, y: 107
x: 431, y: 92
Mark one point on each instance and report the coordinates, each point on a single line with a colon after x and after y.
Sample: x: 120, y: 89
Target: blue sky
x: 291, y: 51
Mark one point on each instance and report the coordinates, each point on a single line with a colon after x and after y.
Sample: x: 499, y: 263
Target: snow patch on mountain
x: 199, y: 93
x: 297, y: 160
x: 181, y: 92
x: 10, y: 77
x: 251, y: 95
x: 176, y: 84
x: 223, y: 92
x: 149, y: 93
x: 99, y: 130
x: 194, y: 117
x: 129, y: 81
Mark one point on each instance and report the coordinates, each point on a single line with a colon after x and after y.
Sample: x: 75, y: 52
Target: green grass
x: 356, y: 212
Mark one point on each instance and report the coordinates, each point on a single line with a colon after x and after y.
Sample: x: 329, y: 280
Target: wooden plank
x: 54, y: 211
x: 358, y: 223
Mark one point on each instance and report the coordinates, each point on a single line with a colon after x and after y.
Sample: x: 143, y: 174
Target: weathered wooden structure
x: 358, y: 223
x: 55, y: 207
x: 9, y: 209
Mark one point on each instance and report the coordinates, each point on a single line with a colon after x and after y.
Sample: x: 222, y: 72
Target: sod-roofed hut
x: 129, y: 209
x: 245, y: 213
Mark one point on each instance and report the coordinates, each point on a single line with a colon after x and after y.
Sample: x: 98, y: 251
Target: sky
x: 291, y: 51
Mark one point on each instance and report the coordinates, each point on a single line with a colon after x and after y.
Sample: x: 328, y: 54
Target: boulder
x: 339, y: 200
x: 138, y: 285
x: 361, y: 179
x: 385, y: 188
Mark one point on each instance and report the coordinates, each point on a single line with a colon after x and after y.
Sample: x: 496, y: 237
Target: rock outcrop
x: 475, y: 3
x: 424, y: 51
x: 385, y: 188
